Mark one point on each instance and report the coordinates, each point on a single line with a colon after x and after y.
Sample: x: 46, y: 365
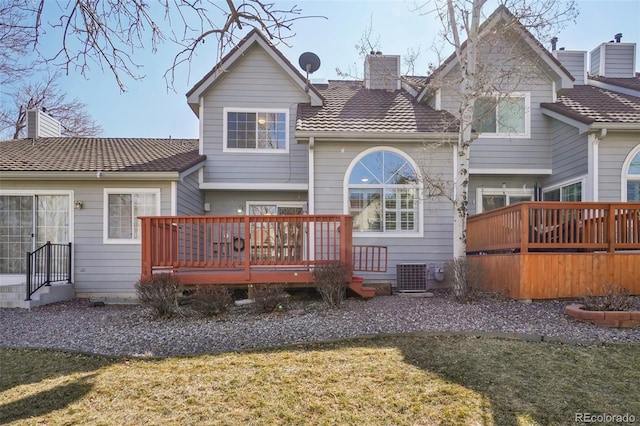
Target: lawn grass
x: 412, y: 380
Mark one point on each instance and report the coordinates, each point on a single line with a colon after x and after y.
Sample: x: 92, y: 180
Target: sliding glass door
x: 26, y: 223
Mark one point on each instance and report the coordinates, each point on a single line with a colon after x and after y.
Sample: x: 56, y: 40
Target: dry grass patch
x: 404, y: 380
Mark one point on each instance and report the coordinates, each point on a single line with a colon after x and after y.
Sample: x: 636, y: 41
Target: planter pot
x: 620, y: 319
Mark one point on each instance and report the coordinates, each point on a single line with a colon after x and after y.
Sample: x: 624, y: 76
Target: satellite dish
x: 309, y: 62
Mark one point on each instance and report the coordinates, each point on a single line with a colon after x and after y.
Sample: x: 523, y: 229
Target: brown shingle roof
x: 629, y: 83
x: 99, y: 154
x: 589, y: 104
x: 350, y: 107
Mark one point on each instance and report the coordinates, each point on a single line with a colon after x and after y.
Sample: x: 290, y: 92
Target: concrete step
x: 13, y: 296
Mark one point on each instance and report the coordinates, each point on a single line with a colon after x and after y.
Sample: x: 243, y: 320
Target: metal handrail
x: 48, y: 264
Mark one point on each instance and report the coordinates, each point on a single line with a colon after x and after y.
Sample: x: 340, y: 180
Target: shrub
x: 160, y: 293
x: 614, y: 298
x: 331, y: 281
x: 211, y: 300
x: 269, y: 297
x: 464, y: 279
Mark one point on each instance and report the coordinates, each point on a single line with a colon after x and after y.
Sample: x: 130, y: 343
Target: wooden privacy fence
x: 556, y: 226
x: 231, y: 244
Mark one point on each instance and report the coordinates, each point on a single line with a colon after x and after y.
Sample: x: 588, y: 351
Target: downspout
x: 312, y: 190
x: 593, y: 168
x: 174, y: 198
x: 311, y: 197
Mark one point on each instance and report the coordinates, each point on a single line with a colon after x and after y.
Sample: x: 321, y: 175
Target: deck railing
x: 170, y: 243
x: 556, y: 226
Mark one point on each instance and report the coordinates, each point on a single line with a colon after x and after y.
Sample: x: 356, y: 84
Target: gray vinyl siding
x: 190, y: 199
x: 228, y: 202
x: 255, y: 82
x: 619, y: 60
x: 100, y: 270
x: 570, y: 153
x: 612, y: 153
x: 574, y: 62
x: 594, y: 61
x: 434, y: 246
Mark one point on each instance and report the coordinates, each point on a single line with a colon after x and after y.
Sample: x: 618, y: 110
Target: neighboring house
x: 272, y: 143
x: 89, y: 191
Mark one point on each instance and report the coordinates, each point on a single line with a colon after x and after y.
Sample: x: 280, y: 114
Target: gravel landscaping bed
x: 130, y: 330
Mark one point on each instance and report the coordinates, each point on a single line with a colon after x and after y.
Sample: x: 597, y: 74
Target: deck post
x: 146, y: 246
x: 346, y: 243
x: 247, y: 256
x: 611, y: 227
x: 524, y: 228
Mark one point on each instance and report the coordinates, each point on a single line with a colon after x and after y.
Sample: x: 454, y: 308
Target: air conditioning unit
x: 411, y: 277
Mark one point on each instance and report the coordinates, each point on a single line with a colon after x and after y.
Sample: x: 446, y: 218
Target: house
x: 378, y: 149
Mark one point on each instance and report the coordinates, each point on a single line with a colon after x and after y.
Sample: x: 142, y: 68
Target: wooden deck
x: 548, y: 250
x: 245, y: 249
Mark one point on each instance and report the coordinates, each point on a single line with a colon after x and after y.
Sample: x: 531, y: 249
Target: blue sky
x: 148, y: 110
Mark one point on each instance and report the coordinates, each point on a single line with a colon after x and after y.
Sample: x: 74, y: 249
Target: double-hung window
x: 502, y: 115
x: 264, y: 130
x: 122, y: 208
x: 383, y: 194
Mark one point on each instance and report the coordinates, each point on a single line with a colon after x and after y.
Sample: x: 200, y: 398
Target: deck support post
x: 524, y: 228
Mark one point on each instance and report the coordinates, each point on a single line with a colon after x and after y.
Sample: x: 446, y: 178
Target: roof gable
x: 503, y: 16
x: 254, y: 38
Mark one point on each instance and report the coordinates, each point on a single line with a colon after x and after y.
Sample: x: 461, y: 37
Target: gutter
x: 376, y: 136
x: 90, y: 176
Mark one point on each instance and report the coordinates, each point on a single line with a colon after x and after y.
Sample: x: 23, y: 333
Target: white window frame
x: 105, y: 210
x: 300, y: 204
x: 527, y: 116
x: 418, y: 232
x: 626, y: 176
x: 225, y: 147
x: 563, y: 185
x: 507, y: 192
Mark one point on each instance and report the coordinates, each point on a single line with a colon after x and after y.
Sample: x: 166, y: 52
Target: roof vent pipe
x: 554, y: 41
x: 618, y: 37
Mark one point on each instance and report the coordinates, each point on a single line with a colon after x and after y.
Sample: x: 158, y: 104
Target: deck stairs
x: 13, y: 296
x: 356, y: 286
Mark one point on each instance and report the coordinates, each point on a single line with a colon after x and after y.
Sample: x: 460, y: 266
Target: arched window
x: 631, y: 176
x: 383, y: 192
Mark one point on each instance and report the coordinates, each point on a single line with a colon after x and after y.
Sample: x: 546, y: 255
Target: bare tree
x: 109, y: 33
x: 45, y: 95
x: 487, y: 59
x: 14, y: 42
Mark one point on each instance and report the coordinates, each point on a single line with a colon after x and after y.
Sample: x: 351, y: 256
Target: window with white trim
x: 494, y: 198
x: 502, y: 115
x: 121, y: 210
x: 631, y: 177
x: 383, y: 194
x: 570, y: 192
x: 271, y: 208
x: 256, y: 130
